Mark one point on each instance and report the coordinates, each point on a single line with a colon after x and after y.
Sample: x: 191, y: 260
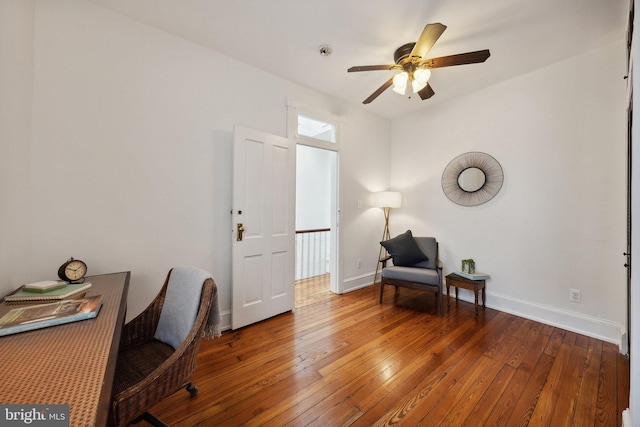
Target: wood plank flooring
x: 312, y: 289
x: 347, y: 360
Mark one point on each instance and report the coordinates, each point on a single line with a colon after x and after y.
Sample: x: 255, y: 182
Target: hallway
x: 312, y: 289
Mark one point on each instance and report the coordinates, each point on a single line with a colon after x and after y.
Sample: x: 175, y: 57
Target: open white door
x: 263, y: 249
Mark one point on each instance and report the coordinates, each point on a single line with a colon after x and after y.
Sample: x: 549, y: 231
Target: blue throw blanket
x: 181, y: 306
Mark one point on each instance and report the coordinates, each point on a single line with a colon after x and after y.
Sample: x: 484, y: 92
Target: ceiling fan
x: 411, y: 59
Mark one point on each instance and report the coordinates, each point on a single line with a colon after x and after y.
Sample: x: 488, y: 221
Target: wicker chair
x: 148, y: 370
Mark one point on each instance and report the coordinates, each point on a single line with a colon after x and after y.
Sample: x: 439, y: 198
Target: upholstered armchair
x: 415, y: 265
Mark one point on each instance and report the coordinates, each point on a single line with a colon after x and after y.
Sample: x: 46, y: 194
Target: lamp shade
x: 387, y: 199
x: 400, y: 82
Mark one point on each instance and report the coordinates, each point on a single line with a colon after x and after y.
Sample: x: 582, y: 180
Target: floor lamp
x: 385, y: 200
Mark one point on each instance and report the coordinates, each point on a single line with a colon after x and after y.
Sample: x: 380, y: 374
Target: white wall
x: 314, y: 183
x: 131, y: 149
x: 559, y: 220
x: 16, y: 86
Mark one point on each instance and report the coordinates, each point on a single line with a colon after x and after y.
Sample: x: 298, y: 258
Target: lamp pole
x: 385, y: 236
x: 385, y: 200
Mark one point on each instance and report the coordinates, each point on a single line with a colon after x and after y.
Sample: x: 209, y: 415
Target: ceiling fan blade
x: 372, y: 68
x: 426, y: 92
x: 459, y: 59
x: 427, y: 39
x: 381, y: 89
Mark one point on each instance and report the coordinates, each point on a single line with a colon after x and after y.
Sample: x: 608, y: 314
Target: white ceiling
x: 283, y: 37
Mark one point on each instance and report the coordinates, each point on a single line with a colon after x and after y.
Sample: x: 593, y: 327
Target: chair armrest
x: 384, y: 260
x: 439, y: 264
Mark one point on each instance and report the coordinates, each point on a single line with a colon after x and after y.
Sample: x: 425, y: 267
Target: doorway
x: 316, y: 195
x: 317, y: 135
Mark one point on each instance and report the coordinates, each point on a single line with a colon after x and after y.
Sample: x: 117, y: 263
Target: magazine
x: 32, y: 317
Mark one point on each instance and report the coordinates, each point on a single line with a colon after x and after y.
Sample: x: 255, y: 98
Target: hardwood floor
x: 312, y: 289
x: 348, y: 360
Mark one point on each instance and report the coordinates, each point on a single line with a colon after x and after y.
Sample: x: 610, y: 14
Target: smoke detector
x: 325, y: 50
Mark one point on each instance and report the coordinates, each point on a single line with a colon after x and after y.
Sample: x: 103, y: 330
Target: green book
x: 45, y: 286
x: 55, y: 295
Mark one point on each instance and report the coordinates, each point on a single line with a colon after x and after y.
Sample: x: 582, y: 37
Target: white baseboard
x: 626, y: 418
x: 357, y: 282
x: 624, y: 344
x: 590, y: 326
x: 225, y: 320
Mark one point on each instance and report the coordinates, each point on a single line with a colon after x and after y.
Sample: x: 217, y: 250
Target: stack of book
x: 47, y: 291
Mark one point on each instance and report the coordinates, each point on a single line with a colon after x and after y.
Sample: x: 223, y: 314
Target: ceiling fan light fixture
x: 400, y: 82
x: 417, y: 86
x: 422, y: 75
x: 411, y: 58
x: 420, y: 79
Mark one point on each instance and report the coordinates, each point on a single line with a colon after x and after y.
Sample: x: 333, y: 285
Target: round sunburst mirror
x: 472, y: 179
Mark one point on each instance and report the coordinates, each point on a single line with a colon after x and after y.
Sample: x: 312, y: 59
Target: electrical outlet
x: 359, y: 204
x: 574, y: 295
x: 359, y: 263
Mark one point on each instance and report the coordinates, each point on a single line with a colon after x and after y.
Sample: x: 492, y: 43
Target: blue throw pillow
x: 404, y: 250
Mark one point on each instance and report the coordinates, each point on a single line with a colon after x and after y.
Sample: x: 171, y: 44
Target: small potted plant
x: 468, y: 266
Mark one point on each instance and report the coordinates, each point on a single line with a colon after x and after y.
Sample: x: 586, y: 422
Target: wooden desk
x: 68, y: 364
x: 462, y: 282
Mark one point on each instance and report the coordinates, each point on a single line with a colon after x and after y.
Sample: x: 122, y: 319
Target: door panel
x: 253, y: 191
x: 264, y: 203
x: 252, y: 268
x: 279, y: 274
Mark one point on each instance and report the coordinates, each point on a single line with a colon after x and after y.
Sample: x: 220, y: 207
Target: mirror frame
x: 493, y: 173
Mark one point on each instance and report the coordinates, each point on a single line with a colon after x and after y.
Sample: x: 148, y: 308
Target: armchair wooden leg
x: 381, y: 290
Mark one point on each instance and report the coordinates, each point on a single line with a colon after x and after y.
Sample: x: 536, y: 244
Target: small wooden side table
x: 473, y: 285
